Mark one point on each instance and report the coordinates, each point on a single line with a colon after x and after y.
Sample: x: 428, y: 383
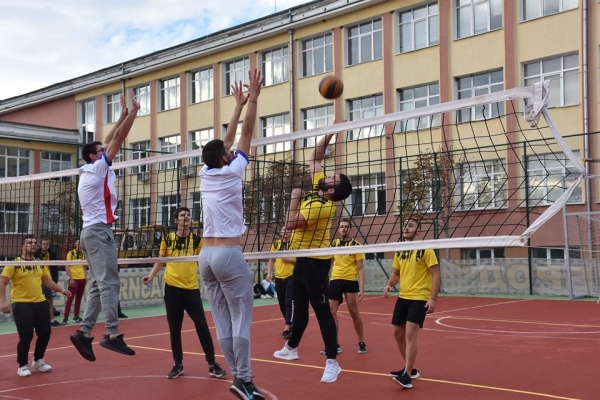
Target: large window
x: 419, y: 97
x: 140, y: 151
x: 275, y: 65
x: 555, y: 252
x: 549, y: 175
x: 87, y: 121
x: 236, y: 71
x: 418, y: 27
x: 113, y: 107
x: 54, y: 161
x: 119, y: 157
x: 53, y: 220
x: 168, y: 205
x: 14, y: 161
x: 477, y: 16
x: 317, y: 55
x: 139, y: 213
x: 276, y: 125
x: 538, y: 8
x: 563, y: 74
x: 196, y: 208
x: 363, y: 108
x: 170, y: 144
x: 238, y: 133
x: 199, y: 139
x: 316, y: 117
x: 482, y: 185
x: 477, y: 85
x: 14, y: 217
x: 202, y: 85
x: 368, y: 195
x: 169, y: 93
x: 365, y: 42
x: 142, y: 94
x: 484, y: 254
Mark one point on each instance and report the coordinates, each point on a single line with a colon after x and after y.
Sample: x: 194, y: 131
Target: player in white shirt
x: 227, y: 278
x: 98, y: 199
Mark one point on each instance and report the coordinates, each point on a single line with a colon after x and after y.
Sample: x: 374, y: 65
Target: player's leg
x: 301, y: 301
x: 174, y: 307
x: 43, y: 329
x: 195, y: 309
x: 24, y: 317
x: 318, y: 293
x: 80, y: 290
x: 351, y: 293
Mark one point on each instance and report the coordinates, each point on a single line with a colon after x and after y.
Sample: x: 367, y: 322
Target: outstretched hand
x: 255, y: 85
x: 240, y: 98
x: 134, y: 103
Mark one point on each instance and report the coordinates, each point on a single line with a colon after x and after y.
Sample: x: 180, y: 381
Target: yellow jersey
x: 415, y: 279
x: 183, y: 275
x: 26, y: 282
x: 344, y: 265
x: 282, y: 269
x: 77, y: 271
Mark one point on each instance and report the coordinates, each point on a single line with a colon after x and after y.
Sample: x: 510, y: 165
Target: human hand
x: 430, y: 306
x: 269, y: 276
x: 134, y: 103
x: 5, y: 307
x: 255, y: 84
x: 66, y: 292
x: 146, y: 279
x: 236, y: 91
x: 360, y: 296
x: 386, y: 289
x: 71, y: 282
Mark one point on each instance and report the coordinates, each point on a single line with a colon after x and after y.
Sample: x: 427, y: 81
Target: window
x: 87, y: 121
x: 272, y: 208
x: 14, y: 161
x: 53, y: 161
x: 196, y: 208
x: 120, y: 221
x: 238, y: 133
x: 478, y: 254
x: 236, y: 71
x: 368, y: 195
x: 275, y: 65
x: 482, y: 185
x: 140, y: 150
x: 374, y: 256
x: 168, y: 205
x: 14, y: 217
x: 365, y: 42
x: 316, y: 117
x: 477, y: 85
x: 170, y: 144
x: 53, y: 220
x: 113, y: 107
x: 202, y: 85
x: 119, y: 158
x: 563, y: 74
x: 419, y: 97
x: 199, y: 139
x: 555, y: 252
x: 418, y: 27
x: 537, y: 8
x: 549, y: 175
x: 317, y: 55
x: 363, y: 108
x: 142, y: 94
x: 416, y: 190
x: 477, y: 16
x: 275, y: 126
x: 139, y: 213
x: 169, y: 93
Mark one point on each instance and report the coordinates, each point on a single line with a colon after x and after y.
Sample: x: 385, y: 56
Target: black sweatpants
x: 29, y: 317
x: 285, y: 297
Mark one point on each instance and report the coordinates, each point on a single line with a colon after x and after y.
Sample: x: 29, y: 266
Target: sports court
x: 470, y: 348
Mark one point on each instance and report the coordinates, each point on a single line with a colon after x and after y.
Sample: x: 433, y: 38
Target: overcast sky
x: 43, y: 42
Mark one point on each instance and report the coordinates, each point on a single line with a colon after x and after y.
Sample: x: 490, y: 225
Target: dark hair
x: 178, y: 210
x: 45, y: 239
x: 343, y: 188
x: 213, y: 152
x: 27, y: 237
x: 89, y: 148
x: 348, y: 220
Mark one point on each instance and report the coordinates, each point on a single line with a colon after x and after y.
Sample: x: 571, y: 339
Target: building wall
x: 60, y: 113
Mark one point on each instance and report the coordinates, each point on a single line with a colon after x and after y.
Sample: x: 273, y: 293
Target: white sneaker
x: 24, y: 371
x: 41, y: 365
x: 286, y: 353
x: 332, y: 370
x: 263, y: 296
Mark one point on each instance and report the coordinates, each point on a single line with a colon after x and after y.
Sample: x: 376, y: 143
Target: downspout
x: 586, y: 128
x: 291, y: 52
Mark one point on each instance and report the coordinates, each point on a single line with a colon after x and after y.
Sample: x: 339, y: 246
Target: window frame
x: 378, y: 110
x: 376, y: 35
x: 20, y: 220
x: 491, y: 110
x: 200, y: 84
x: 273, y: 128
x: 565, y: 74
x: 195, y: 143
x: 142, y: 95
x: 460, y: 5
x: 140, y: 150
x: 85, y: 134
x: 477, y: 177
x: 228, y: 71
x: 562, y: 171
x: 167, y: 147
x: 430, y: 18
x: 22, y: 161
x: 316, y: 121
x: 112, y: 106
x: 47, y: 164
x: 541, y: 8
x: 358, y: 189
x: 414, y: 124
x: 168, y: 87
x: 138, y: 209
x: 327, y: 58
x: 268, y: 66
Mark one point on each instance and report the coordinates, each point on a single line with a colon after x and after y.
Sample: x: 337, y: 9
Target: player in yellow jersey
x: 310, y: 217
x: 77, y: 282
x: 419, y: 275
x: 30, y: 309
x: 182, y: 292
x: 284, y: 280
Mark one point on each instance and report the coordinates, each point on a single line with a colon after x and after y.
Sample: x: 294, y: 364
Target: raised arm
x: 124, y: 112
x: 318, y: 154
x: 111, y: 148
x: 294, y: 218
x: 256, y: 81
x: 240, y: 101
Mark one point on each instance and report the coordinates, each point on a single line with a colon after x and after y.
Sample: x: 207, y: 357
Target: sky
x: 45, y: 42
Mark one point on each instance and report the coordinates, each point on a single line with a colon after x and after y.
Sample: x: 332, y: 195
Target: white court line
x: 483, y: 305
x: 439, y: 322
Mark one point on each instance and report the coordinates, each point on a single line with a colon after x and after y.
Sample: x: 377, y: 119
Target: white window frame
x: 202, y: 85
x: 418, y: 97
x: 22, y: 159
x: 564, y: 80
x: 169, y: 144
x: 19, y: 222
x: 139, y: 151
x: 139, y: 212
x: 170, y: 93
x: 419, y: 26
x: 119, y: 157
x: 87, y: 121
x: 477, y: 85
x: 482, y: 16
x: 142, y: 95
x: 197, y: 140
x: 52, y: 161
x: 273, y: 209
x: 196, y: 206
x: 317, y: 117
x: 541, y: 7
x: 574, y: 253
x: 167, y: 204
x: 359, y: 108
x: 235, y: 71
x: 494, y: 254
x: 542, y: 168
x: 316, y: 55
x: 362, y: 189
x: 487, y: 173
x: 275, y: 65
x: 369, y: 32
x: 275, y: 125
x: 113, y: 107
x: 52, y: 220
x: 238, y: 133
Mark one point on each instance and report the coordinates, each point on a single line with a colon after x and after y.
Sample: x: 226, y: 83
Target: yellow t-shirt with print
x: 26, y: 282
x: 344, y: 265
x: 318, y: 213
x: 282, y: 269
x: 415, y: 279
x: 77, y: 271
x: 183, y: 275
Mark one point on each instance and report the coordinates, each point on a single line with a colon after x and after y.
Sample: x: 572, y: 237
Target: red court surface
x: 471, y: 348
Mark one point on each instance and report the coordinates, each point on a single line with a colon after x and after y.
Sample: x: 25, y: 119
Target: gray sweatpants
x: 228, y: 282
x: 98, y: 245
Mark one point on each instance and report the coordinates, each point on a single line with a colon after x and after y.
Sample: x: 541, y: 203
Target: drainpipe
x: 586, y: 128
x: 291, y: 53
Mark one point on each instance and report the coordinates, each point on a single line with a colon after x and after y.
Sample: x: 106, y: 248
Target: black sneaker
x: 241, y: 391
x: 175, y: 372
x: 55, y: 323
x: 255, y: 392
x: 116, y: 344
x: 121, y: 315
x: 286, y: 334
x: 216, y: 371
x: 83, y: 345
x: 77, y: 319
x: 65, y: 321
x: 403, y: 380
x: 56, y: 313
x: 414, y: 374
x: 362, y: 348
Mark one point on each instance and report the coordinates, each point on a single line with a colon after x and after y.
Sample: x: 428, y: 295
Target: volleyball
x: 331, y: 87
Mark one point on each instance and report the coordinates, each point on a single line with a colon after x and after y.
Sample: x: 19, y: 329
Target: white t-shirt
x: 97, y: 193
x: 222, y: 199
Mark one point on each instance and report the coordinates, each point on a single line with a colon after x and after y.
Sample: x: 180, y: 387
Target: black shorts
x: 409, y: 310
x: 338, y: 287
